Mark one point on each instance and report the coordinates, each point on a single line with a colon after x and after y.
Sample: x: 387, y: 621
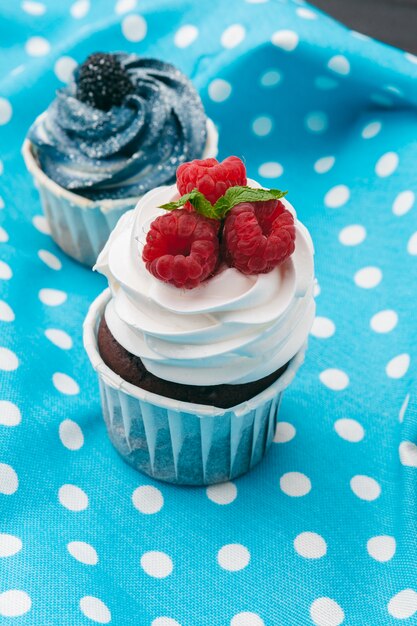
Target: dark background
x: 391, y: 21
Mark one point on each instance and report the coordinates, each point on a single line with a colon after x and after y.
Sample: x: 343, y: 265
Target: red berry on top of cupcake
x: 218, y: 219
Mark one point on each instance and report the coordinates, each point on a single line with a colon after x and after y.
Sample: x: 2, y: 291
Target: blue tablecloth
x: 324, y: 530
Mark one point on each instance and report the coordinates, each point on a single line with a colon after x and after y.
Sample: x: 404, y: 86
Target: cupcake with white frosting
x: 204, y: 325
x: 121, y: 127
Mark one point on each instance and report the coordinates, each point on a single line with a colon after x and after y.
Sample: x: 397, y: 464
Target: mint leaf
x: 236, y: 195
x: 232, y: 197
x: 197, y: 199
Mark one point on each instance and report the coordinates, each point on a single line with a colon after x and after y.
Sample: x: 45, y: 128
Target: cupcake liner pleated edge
x: 181, y: 442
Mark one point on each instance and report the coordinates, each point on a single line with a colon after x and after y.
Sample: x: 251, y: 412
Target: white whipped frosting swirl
x: 230, y: 329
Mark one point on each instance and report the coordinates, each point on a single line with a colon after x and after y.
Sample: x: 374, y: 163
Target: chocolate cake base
x: 130, y: 368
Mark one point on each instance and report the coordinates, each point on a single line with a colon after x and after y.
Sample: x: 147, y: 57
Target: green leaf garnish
x: 232, y: 197
x: 196, y: 198
x: 236, y: 195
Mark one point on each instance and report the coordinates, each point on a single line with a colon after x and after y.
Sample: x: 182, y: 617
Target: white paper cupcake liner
x: 180, y: 442
x: 80, y: 226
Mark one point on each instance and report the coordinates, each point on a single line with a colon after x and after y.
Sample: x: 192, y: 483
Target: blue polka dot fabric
x: 323, y: 531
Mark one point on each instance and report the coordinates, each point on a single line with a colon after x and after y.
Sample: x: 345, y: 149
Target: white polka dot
x: 1, y: 199
x: 381, y: 548
x: 9, y: 414
x: 83, y: 552
x: 41, y: 224
x: 14, y: 603
x: 165, y: 621
x: 6, y: 313
x: 323, y: 328
x: 219, y: 90
x: 156, y: 564
x: 71, y: 435
x: 59, y: 338
x: 80, y: 9
x: 185, y: 36
x: 134, y: 28
x: 411, y: 245
x: 310, y: 545
x: 6, y: 111
x: 73, y: 498
x: 371, y: 130
x: 325, y: 83
x: 147, y: 499
x: 37, y: 47
x: 365, y: 487
x: 95, y: 609
x: 387, y: 164
x: 384, y: 321
x: 233, y: 557
x: 295, y: 484
x: 4, y: 237
x: 271, y: 169
x: 262, y: 125
x: 395, y: 90
x: 284, y: 432
x: 233, y: 36
x: 316, y: 121
x: 17, y: 70
x: 323, y: 165
x: 352, y: 235
x: 410, y: 57
x: 33, y: 8
x: 65, y: 384
x: 285, y: 39
x: 337, y: 196
x: 50, y: 259
x: 360, y: 36
x: 1, y: 168
x: 64, y: 68
x: 349, y: 429
x: 408, y: 453
x: 403, y: 605
x: 8, y: 360
x: 257, y: 1
x: 224, y: 493
x: 9, y: 545
x: 368, y: 277
x: 339, y: 64
x: 5, y: 271
x: 326, y: 612
x: 398, y: 366
x: 270, y: 78
x: 334, y: 379
x: 247, y: 618
x: 306, y: 14
x: 316, y: 288
x: 52, y: 297
x: 403, y: 408
x: 124, y: 6
x: 9, y: 481
x: 403, y: 202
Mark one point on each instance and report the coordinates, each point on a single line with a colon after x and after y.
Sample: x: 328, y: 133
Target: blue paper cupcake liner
x: 79, y: 226
x: 181, y: 442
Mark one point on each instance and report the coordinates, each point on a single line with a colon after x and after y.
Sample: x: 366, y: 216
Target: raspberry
x: 258, y: 236
x: 210, y: 177
x: 182, y: 248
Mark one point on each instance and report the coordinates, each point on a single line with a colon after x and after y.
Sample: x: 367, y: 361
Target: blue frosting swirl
x: 130, y: 149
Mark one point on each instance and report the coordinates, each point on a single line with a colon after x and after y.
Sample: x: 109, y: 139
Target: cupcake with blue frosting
x: 120, y: 128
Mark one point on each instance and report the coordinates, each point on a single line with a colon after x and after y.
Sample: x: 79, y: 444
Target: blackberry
x: 103, y: 82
